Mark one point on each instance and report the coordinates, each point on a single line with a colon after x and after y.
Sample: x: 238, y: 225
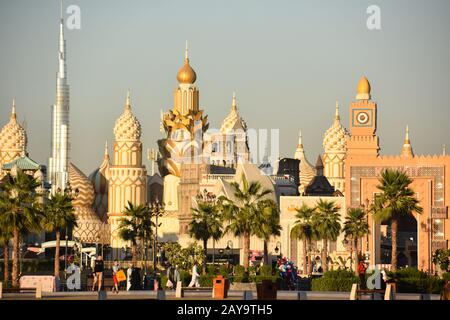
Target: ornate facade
x: 99, y: 179
x: 334, y: 145
x: 229, y: 146
x: 127, y: 178
x: 13, y: 140
x: 431, y: 229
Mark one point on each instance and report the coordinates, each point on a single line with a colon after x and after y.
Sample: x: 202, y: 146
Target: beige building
x: 127, y: 176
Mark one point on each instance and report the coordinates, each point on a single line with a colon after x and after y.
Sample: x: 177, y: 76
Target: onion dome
x: 99, y: 179
x: 334, y: 139
x: 186, y: 75
x: 363, y: 92
x: 233, y: 121
x: 90, y: 228
x: 127, y: 127
x: 307, y: 171
x: 13, y: 136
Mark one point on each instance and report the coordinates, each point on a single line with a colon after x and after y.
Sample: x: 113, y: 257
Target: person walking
x: 176, y: 276
x: 195, y: 277
x: 362, y: 274
x: 169, y: 274
x: 98, y: 273
x: 115, y: 269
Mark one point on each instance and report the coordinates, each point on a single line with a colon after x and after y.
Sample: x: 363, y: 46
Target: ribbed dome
x: 13, y: 136
x: 90, y: 228
x: 307, y: 171
x: 334, y: 139
x: 127, y: 127
x: 79, y: 181
x: 99, y: 179
x: 233, y: 121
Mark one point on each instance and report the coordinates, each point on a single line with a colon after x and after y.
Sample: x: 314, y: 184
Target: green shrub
x: 210, y: 270
x: 223, y: 270
x: 239, y: 270
x: 335, y: 280
x: 185, y: 278
x: 163, y: 281
x: 446, y: 276
x: 420, y: 285
x: 206, y: 280
x: 265, y: 270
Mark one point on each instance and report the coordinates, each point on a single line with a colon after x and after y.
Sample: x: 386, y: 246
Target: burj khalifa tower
x: 59, y: 160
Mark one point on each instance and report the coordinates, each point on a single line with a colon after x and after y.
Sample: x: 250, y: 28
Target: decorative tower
x: 229, y: 146
x: 407, y: 151
x: 307, y: 171
x: 363, y: 123
x: 182, y: 149
x: 334, y: 144
x: 127, y: 175
x: 13, y: 140
x: 59, y: 162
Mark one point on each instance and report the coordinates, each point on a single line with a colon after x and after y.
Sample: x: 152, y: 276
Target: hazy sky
x: 288, y: 61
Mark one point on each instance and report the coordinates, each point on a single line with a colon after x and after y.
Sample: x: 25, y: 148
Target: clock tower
x: 363, y: 123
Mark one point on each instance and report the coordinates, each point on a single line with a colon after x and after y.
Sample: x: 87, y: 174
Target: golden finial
x: 407, y: 134
x: 336, y: 115
x: 106, y: 147
x: 128, y: 101
x: 186, y: 52
x: 13, y: 111
x: 233, y: 103
x: 444, y: 151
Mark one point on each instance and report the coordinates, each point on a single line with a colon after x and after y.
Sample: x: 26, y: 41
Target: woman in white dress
x: 195, y: 277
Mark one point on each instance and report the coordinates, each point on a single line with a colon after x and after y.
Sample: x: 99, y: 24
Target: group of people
x: 98, y: 270
x: 288, y: 272
x: 173, y: 277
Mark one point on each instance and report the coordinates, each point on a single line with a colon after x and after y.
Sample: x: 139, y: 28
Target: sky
x: 287, y: 61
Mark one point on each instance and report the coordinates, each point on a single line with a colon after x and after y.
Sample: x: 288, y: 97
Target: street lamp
x: 157, y: 209
x: 278, y: 248
x: 229, y: 248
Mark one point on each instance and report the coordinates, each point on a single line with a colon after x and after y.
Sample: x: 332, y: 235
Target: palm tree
x: 20, y: 209
x: 303, y: 230
x: 240, y: 213
x: 396, y: 199
x: 132, y: 227
x: 59, y: 215
x: 5, y: 236
x: 327, y: 226
x: 206, y: 223
x: 355, y: 227
x: 267, y: 223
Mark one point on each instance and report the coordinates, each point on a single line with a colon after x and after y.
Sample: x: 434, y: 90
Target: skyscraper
x: 59, y: 161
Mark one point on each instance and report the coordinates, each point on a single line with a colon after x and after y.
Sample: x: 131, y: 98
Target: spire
x: 233, y: 103
x: 337, y: 118
x: 13, y: 111
x: 407, y: 148
x: 62, y: 47
x: 300, y: 142
x: 106, y: 149
x: 444, y: 151
x: 128, y: 101
x: 186, y: 52
x: 319, y: 166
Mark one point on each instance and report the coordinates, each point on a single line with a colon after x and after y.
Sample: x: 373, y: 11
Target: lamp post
x: 157, y: 209
x: 278, y: 248
x: 229, y: 248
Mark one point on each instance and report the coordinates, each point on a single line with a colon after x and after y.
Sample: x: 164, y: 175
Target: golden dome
x: 13, y: 136
x: 363, y: 92
x: 127, y: 127
x: 186, y: 74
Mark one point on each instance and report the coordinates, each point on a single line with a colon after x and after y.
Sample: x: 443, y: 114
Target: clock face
x: 362, y: 117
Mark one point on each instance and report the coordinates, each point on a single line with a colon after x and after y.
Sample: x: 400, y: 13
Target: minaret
x: 407, y: 151
x: 59, y: 161
x: 307, y: 171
